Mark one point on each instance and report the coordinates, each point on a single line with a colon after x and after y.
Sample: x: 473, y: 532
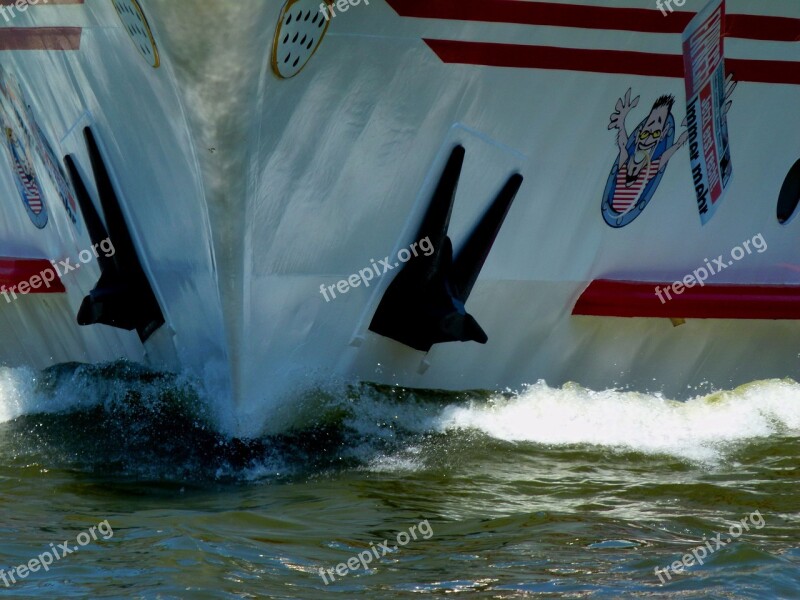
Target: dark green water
x: 551, y: 493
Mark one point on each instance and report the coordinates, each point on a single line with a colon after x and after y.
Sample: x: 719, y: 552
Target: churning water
x: 560, y: 493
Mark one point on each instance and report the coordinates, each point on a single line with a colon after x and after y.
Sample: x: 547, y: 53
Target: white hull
x: 245, y: 192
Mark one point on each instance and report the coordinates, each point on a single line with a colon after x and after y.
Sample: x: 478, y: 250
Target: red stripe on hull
x: 40, y: 38
x: 14, y: 271
x: 602, y: 61
x: 550, y: 14
x: 606, y: 298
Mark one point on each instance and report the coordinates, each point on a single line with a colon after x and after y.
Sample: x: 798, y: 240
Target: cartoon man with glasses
x: 645, y: 154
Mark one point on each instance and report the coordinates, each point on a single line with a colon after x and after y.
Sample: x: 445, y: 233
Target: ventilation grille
x: 300, y: 31
x: 136, y: 24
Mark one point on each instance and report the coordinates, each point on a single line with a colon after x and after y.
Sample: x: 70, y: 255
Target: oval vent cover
x: 300, y: 31
x: 136, y: 24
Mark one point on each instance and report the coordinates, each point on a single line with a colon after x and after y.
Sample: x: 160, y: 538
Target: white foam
x: 16, y: 393
x: 19, y: 394
x: 697, y: 429
x: 700, y: 429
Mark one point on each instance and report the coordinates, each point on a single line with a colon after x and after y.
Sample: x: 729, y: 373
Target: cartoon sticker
x: 707, y: 105
x: 24, y: 139
x: 18, y: 143
x: 642, y: 159
x: 57, y: 174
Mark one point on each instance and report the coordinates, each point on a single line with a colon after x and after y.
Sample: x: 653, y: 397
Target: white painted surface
x: 245, y: 192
